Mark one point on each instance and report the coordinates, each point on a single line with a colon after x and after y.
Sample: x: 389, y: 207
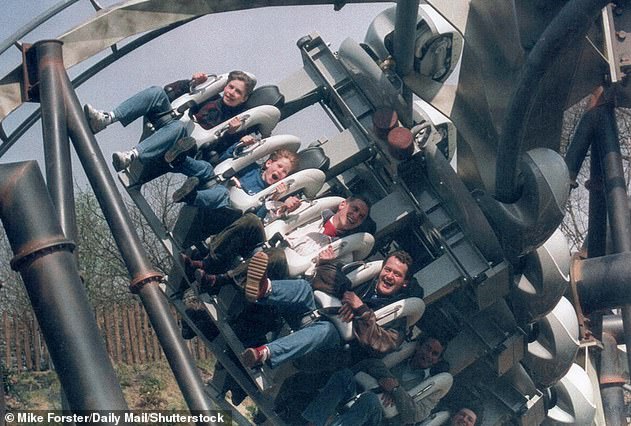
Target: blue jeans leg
x: 212, y: 198
x: 191, y: 167
x: 316, y: 336
x: 152, y: 100
x: 292, y: 297
x: 152, y: 149
x: 366, y: 411
x: 339, y: 388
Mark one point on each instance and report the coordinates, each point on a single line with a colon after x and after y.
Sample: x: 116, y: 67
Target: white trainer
x: 97, y: 119
x: 122, y: 160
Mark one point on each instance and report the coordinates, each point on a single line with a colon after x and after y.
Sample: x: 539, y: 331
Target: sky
x: 262, y: 41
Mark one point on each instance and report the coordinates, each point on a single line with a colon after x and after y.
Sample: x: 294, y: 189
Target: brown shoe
x: 190, y: 265
x: 256, y: 283
x: 187, y: 192
x: 206, y: 282
x: 185, y: 147
x: 253, y: 357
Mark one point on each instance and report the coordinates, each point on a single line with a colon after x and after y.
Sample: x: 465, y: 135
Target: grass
x: 149, y: 386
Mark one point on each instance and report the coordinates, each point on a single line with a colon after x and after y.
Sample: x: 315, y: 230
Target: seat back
x: 314, y: 157
x: 202, y: 92
x: 364, y: 272
x: 434, y: 387
x: 266, y: 95
x: 324, y: 300
x: 404, y: 351
x: 411, y: 308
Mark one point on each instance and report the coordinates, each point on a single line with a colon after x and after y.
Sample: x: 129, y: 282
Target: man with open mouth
x: 294, y: 298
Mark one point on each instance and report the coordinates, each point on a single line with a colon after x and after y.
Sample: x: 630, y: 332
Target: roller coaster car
x: 261, y: 115
x: 436, y: 386
x: 195, y: 225
x: 354, y: 247
x: 411, y: 308
x: 262, y: 109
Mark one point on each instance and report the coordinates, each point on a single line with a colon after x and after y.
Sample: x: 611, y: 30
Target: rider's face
x: 276, y: 170
x: 234, y: 93
x: 392, y: 278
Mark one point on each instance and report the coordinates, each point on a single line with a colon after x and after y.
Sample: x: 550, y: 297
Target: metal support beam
x: 567, y: 28
x: 610, y: 156
x: 55, y: 135
x: 144, y: 280
x: 597, y: 210
x: 43, y: 257
x: 611, y: 382
x: 404, y: 43
x: 602, y: 281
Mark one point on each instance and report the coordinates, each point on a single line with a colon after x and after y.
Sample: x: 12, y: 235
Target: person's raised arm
x: 198, y: 78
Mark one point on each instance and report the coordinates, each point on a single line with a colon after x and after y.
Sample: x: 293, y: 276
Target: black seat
x: 313, y: 158
x: 265, y: 95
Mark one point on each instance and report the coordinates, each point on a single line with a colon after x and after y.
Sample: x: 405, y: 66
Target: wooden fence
x: 126, y: 331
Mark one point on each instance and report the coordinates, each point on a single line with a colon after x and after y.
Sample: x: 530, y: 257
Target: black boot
x: 187, y: 192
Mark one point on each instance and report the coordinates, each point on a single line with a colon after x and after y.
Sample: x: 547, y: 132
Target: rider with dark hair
x: 169, y: 142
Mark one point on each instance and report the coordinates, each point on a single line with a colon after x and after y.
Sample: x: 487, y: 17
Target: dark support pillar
x: 54, y: 131
x: 617, y: 200
x: 612, y: 324
x: 565, y: 30
x: 56, y: 144
x: 404, y: 43
x: 43, y: 257
x: 597, y: 214
x: 603, y: 280
x: 144, y: 280
x: 611, y: 382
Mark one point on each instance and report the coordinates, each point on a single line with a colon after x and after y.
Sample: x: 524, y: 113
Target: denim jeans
x: 212, y: 198
x: 295, y: 298
x: 340, y: 388
x: 152, y: 101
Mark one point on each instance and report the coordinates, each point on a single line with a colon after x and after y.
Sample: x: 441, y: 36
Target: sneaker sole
x: 189, y: 185
x: 257, y: 268
x: 181, y: 148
